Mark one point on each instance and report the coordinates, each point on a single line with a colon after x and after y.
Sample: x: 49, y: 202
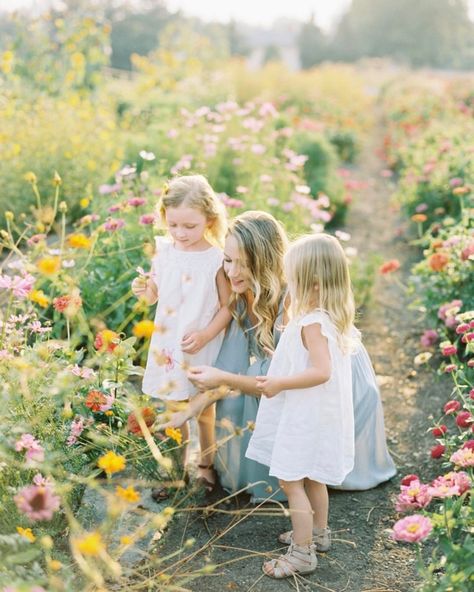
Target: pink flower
x: 468, y: 444
x: 449, y: 350
x: 443, y: 488
x: 21, y: 286
x: 412, y: 529
x: 38, y: 502
x: 462, y: 328
x: 146, y: 219
x: 136, y: 201
x: 460, y: 479
x: 106, y: 189
x: 456, y: 182
x: 451, y: 407
x: 467, y: 252
x: 413, y: 496
x: 429, y: 338
x: 464, y: 457
x: 34, y: 450
x: 77, y: 427
x: 83, y: 372
x: 450, y: 368
x: 114, y: 224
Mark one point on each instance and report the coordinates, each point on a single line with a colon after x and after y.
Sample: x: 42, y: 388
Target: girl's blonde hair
x: 262, y: 244
x: 318, y: 277
x: 194, y: 191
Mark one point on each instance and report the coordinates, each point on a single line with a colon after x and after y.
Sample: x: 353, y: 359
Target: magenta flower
x: 413, y: 496
x: 136, y: 201
x: 412, y: 529
x: 37, y: 502
x: 114, y: 224
x: 147, y: 219
x: 429, y: 338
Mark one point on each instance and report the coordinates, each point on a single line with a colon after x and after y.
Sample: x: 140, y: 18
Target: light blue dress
x: 240, y: 354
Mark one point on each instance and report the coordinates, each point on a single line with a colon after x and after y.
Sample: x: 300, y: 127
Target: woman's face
x: 235, y: 268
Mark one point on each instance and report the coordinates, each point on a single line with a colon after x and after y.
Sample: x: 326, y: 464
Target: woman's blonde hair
x: 262, y: 244
x: 318, y: 276
x: 194, y: 191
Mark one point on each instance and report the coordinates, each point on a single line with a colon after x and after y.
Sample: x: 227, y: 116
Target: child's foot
x: 299, y: 559
x: 207, y: 478
x: 321, y: 538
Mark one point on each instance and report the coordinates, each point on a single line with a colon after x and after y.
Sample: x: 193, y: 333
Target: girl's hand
x: 140, y: 286
x: 193, y: 342
x: 177, y: 419
x: 206, y: 377
x: 268, y: 386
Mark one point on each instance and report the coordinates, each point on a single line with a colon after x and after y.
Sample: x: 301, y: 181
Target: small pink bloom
x: 429, y: 338
x: 106, y: 189
x: 462, y: 328
x: 442, y: 488
x: 413, y: 496
x: 147, y: 219
x: 37, y: 502
x: 459, y: 479
x: 449, y: 350
x: 114, y: 224
x: 450, y: 368
x: 136, y: 201
x: 412, y: 529
x: 464, y: 457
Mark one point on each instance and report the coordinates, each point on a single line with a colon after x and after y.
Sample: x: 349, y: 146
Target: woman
x: 253, y: 262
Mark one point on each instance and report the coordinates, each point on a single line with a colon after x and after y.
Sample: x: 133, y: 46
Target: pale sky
x: 255, y: 12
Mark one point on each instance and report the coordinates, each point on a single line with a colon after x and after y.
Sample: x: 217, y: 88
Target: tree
x: 311, y: 44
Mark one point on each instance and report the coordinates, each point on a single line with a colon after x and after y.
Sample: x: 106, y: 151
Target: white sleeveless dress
x: 187, y: 301
x: 307, y: 432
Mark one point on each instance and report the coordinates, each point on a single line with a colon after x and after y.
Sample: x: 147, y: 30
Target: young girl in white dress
x: 305, y: 428
x: 192, y: 292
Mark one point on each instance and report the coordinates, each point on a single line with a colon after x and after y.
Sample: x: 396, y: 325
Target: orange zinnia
x: 95, y: 400
x: 438, y: 261
x: 149, y: 416
x: 389, y: 266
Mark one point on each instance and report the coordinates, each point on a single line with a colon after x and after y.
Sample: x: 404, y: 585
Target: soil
x: 237, y: 536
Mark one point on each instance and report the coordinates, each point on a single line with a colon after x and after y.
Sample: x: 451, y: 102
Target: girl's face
x: 236, y: 269
x: 187, y: 227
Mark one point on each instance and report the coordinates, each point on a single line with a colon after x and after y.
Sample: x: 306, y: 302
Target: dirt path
x: 363, y: 558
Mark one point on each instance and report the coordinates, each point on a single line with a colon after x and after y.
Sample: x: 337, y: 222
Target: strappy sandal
x: 204, y: 483
x: 321, y: 538
x: 299, y: 559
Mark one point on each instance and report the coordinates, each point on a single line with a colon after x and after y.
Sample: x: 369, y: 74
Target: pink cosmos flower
x: 464, y: 457
x: 114, y: 224
x: 429, y: 338
x: 34, y: 450
x: 412, y: 529
x: 37, y: 502
x: 413, y: 496
x: 21, y: 286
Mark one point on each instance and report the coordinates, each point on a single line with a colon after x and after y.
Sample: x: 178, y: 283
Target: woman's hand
x: 177, y: 419
x: 206, y: 377
x: 269, y: 386
x: 193, y: 342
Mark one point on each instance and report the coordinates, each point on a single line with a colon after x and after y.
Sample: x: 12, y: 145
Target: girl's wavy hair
x: 194, y: 191
x: 262, y: 244
x: 319, y: 260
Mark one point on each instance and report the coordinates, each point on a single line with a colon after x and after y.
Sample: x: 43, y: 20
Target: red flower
x: 451, y: 407
x: 149, y: 416
x: 408, y: 479
x: 438, y: 261
x: 437, y: 451
x: 469, y: 444
x: 95, y: 400
x: 389, y: 266
x: 464, y: 419
x: 471, y: 393
x: 439, y: 431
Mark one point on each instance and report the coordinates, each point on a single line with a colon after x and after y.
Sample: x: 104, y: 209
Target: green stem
x: 5, y: 319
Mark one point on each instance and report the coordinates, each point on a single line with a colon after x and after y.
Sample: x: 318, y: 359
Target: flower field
x: 84, y: 160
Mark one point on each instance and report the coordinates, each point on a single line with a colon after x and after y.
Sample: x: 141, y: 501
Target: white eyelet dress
x: 187, y: 301
x: 307, y: 433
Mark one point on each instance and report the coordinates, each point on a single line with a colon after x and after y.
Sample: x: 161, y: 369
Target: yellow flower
x: 57, y: 179
x: 39, y: 297
x: 9, y: 216
x: 79, y: 241
x: 144, y: 329
x: 85, y: 201
x: 31, y: 178
x: 128, y: 495
x: 54, y: 564
x: 26, y: 533
x: 126, y: 540
x: 174, y: 434
x: 49, y: 265
x: 111, y: 462
x: 90, y: 544
x: 78, y: 60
